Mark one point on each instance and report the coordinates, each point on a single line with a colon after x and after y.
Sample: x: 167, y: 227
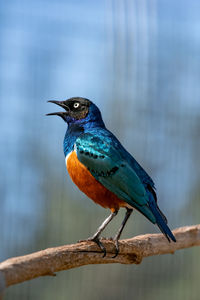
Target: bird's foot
x: 116, y: 247
x: 115, y: 241
x: 97, y: 241
x: 101, y: 246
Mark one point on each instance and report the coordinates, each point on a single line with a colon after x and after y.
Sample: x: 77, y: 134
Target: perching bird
x: 102, y: 168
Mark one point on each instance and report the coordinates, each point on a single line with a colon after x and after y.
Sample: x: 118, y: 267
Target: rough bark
x: 132, y: 251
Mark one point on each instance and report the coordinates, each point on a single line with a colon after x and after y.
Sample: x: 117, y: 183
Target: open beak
x: 62, y: 114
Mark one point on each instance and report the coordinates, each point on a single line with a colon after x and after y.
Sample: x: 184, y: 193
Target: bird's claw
x: 97, y: 241
x: 101, y: 246
x: 116, y: 248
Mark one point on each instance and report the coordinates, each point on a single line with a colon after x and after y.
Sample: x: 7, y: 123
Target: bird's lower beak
x: 62, y: 114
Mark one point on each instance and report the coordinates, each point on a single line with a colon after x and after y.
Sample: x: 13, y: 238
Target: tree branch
x: 132, y: 251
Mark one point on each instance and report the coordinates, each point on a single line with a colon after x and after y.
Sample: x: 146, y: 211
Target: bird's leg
x: 118, y: 234
x: 95, y: 237
x: 104, y: 224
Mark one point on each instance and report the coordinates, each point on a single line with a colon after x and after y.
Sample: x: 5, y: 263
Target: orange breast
x: 90, y: 186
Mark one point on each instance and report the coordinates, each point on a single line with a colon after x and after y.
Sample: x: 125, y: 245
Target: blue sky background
x: 139, y: 61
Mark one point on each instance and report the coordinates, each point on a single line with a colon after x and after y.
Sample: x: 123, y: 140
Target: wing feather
x: 107, y: 165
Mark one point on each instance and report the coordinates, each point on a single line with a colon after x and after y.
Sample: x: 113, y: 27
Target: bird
x: 105, y: 171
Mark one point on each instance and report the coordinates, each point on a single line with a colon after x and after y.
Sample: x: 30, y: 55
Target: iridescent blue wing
x: 107, y: 164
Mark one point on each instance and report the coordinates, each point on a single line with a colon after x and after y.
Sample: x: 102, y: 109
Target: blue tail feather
x: 160, y: 220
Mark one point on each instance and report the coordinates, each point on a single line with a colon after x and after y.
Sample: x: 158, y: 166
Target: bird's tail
x: 161, y: 220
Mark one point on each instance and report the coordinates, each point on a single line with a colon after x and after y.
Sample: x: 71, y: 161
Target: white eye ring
x: 76, y: 105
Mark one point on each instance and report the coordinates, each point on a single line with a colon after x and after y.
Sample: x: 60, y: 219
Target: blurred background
x: 139, y: 61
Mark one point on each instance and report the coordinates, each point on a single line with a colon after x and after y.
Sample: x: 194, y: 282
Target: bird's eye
x: 76, y: 105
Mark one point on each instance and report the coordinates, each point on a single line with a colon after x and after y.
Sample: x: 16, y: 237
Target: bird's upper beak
x: 62, y: 114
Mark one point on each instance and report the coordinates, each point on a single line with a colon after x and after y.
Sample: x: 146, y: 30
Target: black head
x: 76, y: 108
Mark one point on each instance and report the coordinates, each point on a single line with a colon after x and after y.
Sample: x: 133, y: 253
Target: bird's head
x: 78, y: 110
